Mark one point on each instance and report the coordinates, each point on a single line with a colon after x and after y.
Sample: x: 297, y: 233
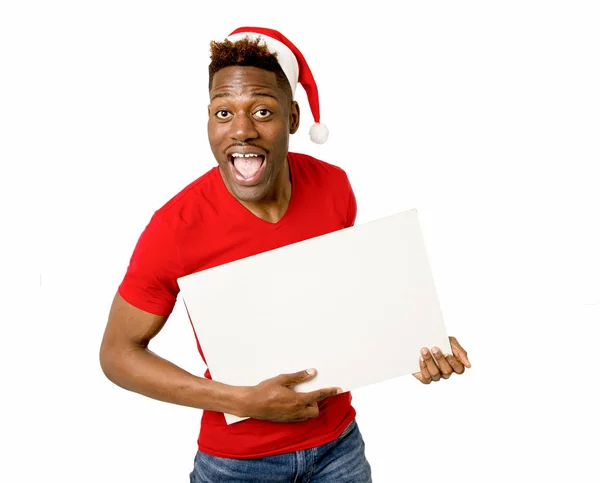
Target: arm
x: 127, y: 361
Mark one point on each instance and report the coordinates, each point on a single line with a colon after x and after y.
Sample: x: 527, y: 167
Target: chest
x: 227, y: 240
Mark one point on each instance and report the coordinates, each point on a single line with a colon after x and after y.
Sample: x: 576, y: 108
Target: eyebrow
x: 254, y: 94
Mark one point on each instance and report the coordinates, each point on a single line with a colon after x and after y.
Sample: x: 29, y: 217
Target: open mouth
x: 247, y: 167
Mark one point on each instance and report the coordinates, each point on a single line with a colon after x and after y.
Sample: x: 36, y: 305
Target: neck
x: 273, y: 206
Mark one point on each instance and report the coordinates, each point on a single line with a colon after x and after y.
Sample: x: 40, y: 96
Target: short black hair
x: 246, y: 52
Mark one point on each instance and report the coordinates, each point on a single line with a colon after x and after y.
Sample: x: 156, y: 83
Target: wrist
x: 238, y: 401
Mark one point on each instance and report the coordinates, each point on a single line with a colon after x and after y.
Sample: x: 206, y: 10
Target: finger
x: 424, y: 375
x: 442, y: 363
x: 459, y: 352
x: 295, y: 377
x: 310, y: 411
x: 430, y: 363
x: 314, y: 396
x: 456, y: 365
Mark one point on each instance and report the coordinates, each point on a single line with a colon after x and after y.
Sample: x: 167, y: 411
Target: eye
x: 222, y: 114
x: 263, y: 113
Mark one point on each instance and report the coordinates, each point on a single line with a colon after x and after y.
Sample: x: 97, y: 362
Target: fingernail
x: 424, y: 351
x: 340, y: 390
x: 435, y: 350
x: 311, y: 372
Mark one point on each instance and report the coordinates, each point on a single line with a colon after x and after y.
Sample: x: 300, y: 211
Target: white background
x: 484, y: 116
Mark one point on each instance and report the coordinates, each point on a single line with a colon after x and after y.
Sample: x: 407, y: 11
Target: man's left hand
x: 435, y: 365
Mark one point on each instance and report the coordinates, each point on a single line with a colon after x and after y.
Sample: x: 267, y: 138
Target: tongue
x: 248, y: 166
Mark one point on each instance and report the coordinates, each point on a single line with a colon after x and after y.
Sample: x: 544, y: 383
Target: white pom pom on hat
x: 318, y: 133
x: 295, y: 68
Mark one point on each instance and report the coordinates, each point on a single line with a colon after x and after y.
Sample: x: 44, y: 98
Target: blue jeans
x: 341, y: 461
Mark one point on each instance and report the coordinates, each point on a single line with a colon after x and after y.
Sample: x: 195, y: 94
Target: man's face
x: 250, y: 119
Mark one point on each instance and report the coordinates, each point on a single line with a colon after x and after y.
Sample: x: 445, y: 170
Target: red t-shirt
x: 204, y: 226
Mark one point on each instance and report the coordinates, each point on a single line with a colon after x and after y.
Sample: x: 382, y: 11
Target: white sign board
x: 357, y: 304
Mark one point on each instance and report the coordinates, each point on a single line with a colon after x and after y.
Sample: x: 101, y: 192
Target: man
x: 259, y: 197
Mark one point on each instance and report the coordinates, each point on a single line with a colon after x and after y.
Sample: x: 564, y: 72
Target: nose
x: 243, y: 129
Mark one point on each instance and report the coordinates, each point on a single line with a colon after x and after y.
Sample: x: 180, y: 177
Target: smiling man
x: 259, y: 197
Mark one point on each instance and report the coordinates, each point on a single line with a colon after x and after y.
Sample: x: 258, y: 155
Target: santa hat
x: 295, y: 68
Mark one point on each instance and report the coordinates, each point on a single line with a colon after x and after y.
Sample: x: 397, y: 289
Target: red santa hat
x: 295, y: 68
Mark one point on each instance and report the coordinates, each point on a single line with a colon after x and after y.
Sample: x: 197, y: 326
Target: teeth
x: 238, y: 155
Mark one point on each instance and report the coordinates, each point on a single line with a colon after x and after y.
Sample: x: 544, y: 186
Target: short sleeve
x: 150, y: 282
x: 352, y: 207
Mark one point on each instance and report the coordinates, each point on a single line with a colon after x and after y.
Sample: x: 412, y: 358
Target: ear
x: 294, y: 117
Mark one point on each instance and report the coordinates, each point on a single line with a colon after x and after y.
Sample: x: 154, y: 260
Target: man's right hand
x: 274, y: 400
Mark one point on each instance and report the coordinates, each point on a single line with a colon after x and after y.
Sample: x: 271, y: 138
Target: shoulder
x: 312, y: 166
x: 189, y: 203
x: 324, y: 186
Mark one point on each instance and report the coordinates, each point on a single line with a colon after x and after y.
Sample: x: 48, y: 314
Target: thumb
x: 296, y: 377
